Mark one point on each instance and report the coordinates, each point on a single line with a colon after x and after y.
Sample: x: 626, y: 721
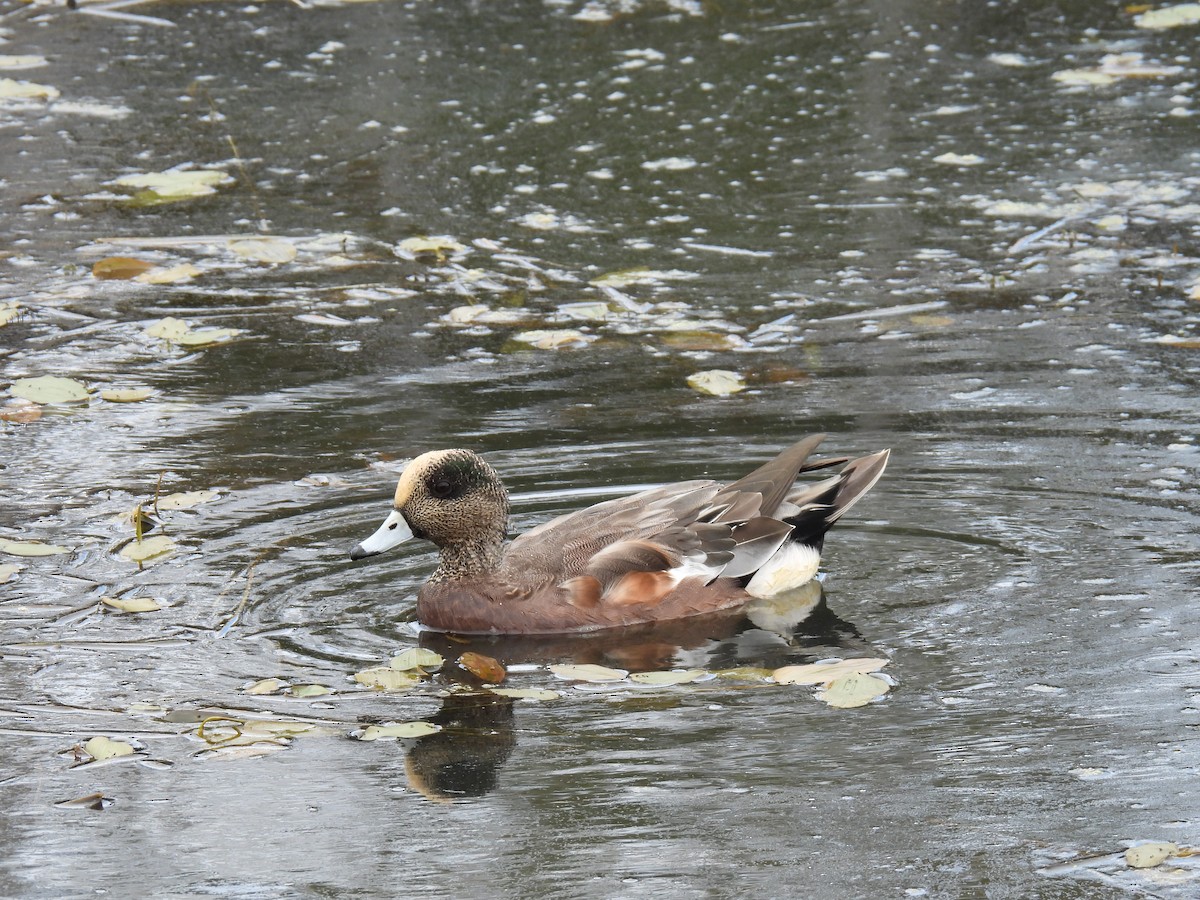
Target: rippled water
x: 895, y: 221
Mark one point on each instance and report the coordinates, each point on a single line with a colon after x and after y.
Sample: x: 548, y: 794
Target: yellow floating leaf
x: 179, y: 185
x: 820, y: 673
x: 527, y: 693
x: 716, y: 382
x: 588, y: 672
x: 177, y: 331
x: 850, y: 691
x: 585, y: 311
x: 1146, y: 856
x: 309, y: 690
x: 483, y: 667
x: 958, y: 159
x: 172, y: 275
x: 31, y: 548
x: 49, y: 389
x: 640, y: 275
x: 465, y: 315
x: 8, y: 61
x: 8, y: 571
x: 1169, y: 17
x: 416, y: 658
x: 439, y: 246
x: 26, y: 90
x: 678, y: 676
x: 9, y: 311
x: 120, y: 267
x: 753, y: 674
x: 273, y: 251
x: 101, y: 748
x: 148, y: 549
x: 126, y: 395
x: 185, y: 499
x: 554, y: 339
x: 401, y: 730
x: 265, y: 686
x: 385, y: 678
x: 1083, y: 77
x: 132, y: 604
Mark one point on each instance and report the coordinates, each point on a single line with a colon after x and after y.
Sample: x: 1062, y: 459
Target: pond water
x: 962, y: 231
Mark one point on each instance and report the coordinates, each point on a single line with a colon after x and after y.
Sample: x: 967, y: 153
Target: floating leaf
x: 588, y: 672
x: 126, y: 395
x: 132, y: 604
x: 49, y: 389
x: 177, y: 331
x: 31, y: 548
x: 1146, y: 856
x: 172, y: 275
x: 1169, y: 17
x: 9, y: 310
x: 8, y: 61
x: 483, y: 667
x: 401, y: 730
x: 120, y: 267
x: 850, y: 691
x: 717, y: 382
x: 440, y: 247
x: 385, y: 678
x: 26, y: 90
x: 416, y: 658
x: 669, y: 164
x: 1083, y: 77
x: 585, y: 311
x: 640, y: 275
x: 7, y: 571
x: 185, y: 499
x: 147, y: 549
x: 661, y: 679
x: 465, y: 315
x: 91, y: 801
x: 554, y: 339
x: 274, y: 251
x: 959, y: 159
x: 20, y: 411
x: 820, y: 673
x: 527, y: 693
x: 183, y: 184
x: 101, y: 748
x: 699, y: 340
x: 753, y: 674
x: 265, y: 686
x: 309, y: 690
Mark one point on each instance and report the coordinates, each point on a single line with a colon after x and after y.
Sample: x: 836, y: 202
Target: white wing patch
x: 792, y: 566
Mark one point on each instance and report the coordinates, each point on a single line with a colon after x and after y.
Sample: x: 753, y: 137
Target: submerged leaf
x: 820, y: 673
x: 309, y: 690
x: 101, y: 748
x: 1146, y: 856
x: 483, y: 667
x: 677, y: 676
x: 49, y: 389
x: 851, y: 691
x: 527, y: 693
x: 31, y: 548
x: 717, y: 382
x: 554, y: 339
x: 120, y: 267
x: 153, y: 547
x: 385, y: 678
x: 400, y: 730
x: 132, y: 604
x: 588, y: 672
x: 416, y: 658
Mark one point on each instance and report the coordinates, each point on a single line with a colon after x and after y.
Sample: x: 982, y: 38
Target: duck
x: 685, y: 549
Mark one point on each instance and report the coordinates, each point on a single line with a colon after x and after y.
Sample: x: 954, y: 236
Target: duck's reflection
x: 477, y: 736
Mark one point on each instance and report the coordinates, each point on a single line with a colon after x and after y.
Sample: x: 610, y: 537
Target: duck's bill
x: 393, y: 531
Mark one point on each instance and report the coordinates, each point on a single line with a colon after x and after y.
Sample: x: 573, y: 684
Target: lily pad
x: 120, y: 267
x: 126, y: 395
x: 661, y: 679
x: 851, y: 691
x: 132, y: 604
x: 527, y: 693
x: 147, y: 549
x: 49, y: 389
x: 821, y: 673
x: 716, y: 382
x: 272, y: 251
x: 416, y: 658
x: 185, y: 499
x: 101, y: 748
x: 385, y: 678
x: 592, y: 673
x: 400, y: 730
x: 1146, y: 856
x: 31, y: 548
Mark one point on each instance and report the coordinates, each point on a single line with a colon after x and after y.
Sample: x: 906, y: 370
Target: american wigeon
x: 668, y: 553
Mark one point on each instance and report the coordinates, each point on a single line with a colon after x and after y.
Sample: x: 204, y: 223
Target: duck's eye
x: 441, y: 487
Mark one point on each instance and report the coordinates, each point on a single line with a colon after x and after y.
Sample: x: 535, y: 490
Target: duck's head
x: 450, y: 497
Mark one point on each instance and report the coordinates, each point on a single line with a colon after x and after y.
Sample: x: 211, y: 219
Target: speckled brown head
x: 454, y: 499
